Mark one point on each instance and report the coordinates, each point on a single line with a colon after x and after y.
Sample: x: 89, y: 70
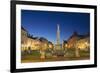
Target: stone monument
x: 58, y: 45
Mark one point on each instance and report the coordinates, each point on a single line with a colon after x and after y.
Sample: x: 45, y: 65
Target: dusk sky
x: 44, y: 23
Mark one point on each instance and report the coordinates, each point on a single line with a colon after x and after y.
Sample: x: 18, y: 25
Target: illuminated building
x: 64, y: 45
x: 29, y: 42
x: 83, y: 44
x: 78, y: 41
x: 50, y: 45
x: 24, y: 39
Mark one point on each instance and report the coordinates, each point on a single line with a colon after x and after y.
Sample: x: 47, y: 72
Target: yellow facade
x: 33, y: 44
x: 83, y: 44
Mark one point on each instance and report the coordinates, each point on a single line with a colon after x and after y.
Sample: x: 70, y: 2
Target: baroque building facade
x: 29, y: 42
x: 81, y: 42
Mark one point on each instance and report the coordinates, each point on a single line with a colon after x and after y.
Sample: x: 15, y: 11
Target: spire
x: 58, y: 34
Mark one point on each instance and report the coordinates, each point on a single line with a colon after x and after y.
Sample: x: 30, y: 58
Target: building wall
x: 33, y: 44
x: 23, y: 36
x: 23, y: 40
x: 71, y: 42
x: 76, y: 41
x: 83, y: 44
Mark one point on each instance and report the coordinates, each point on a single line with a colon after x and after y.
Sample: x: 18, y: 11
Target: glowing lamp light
x: 66, y: 45
x: 50, y: 46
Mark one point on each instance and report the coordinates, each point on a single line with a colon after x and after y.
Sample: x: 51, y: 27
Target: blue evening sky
x: 44, y: 23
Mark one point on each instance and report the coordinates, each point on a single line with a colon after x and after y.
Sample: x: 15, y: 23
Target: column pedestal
x: 77, y: 52
x: 42, y: 55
